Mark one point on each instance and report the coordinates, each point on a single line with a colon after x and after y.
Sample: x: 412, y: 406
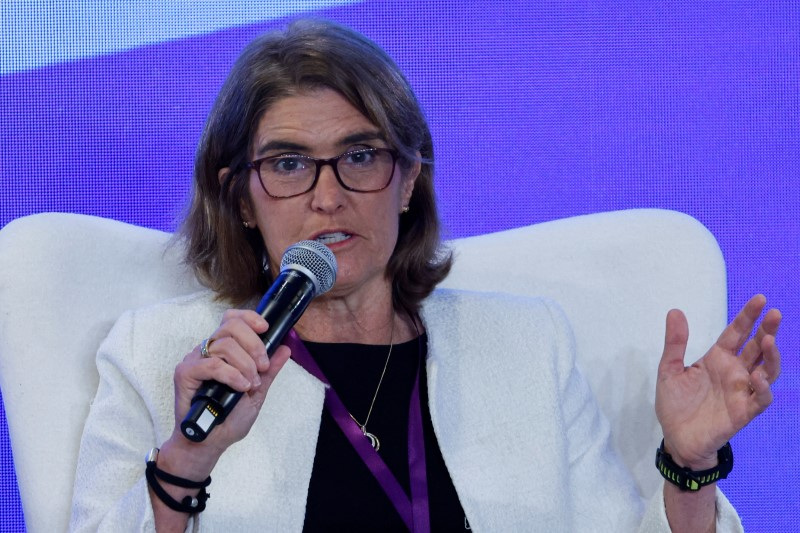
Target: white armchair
x: 64, y: 279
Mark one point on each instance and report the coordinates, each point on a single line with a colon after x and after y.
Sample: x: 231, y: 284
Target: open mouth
x: 332, y: 238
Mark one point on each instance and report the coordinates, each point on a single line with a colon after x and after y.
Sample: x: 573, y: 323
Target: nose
x: 328, y: 194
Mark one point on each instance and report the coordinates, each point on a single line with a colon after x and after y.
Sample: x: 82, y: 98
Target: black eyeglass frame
x: 333, y: 162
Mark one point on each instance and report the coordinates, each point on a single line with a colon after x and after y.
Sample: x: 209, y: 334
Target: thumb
x: 675, y: 340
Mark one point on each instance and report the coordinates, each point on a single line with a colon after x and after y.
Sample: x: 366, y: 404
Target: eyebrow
x: 353, y: 138
x: 362, y: 136
x: 281, y: 145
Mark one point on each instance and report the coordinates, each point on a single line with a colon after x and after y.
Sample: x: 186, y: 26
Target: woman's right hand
x: 237, y: 358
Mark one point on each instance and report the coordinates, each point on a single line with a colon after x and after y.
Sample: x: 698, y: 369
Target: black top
x: 343, y: 495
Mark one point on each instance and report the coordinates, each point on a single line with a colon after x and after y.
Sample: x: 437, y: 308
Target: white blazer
x: 519, y: 430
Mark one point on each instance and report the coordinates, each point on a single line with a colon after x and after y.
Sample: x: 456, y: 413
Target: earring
x: 246, y: 224
x: 404, y: 210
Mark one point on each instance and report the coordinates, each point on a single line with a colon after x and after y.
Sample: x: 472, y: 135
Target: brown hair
x: 309, y: 54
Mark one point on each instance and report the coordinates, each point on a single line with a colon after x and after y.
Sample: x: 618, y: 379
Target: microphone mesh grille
x: 313, y: 258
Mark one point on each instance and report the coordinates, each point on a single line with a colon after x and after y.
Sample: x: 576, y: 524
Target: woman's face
x: 360, y: 228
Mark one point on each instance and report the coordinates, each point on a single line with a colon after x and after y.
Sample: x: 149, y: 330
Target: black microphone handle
x: 281, y: 307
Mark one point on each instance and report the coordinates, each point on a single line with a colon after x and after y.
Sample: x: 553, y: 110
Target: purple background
x: 538, y: 111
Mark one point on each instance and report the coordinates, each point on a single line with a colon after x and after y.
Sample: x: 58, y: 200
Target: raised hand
x: 702, y: 406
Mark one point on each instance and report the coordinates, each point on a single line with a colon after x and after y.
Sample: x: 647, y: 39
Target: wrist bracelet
x: 692, y: 480
x: 189, y: 504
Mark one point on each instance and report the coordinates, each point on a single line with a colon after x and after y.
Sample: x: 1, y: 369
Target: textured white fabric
x: 616, y: 275
x: 519, y: 430
x: 65, y: 279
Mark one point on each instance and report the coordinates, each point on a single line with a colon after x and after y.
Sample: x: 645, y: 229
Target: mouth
x: 332, y: 238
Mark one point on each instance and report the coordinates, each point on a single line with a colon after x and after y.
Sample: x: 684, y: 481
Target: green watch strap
x: 691, y: 480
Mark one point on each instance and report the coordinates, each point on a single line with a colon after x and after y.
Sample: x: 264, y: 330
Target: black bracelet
x: 692, y: 480
x: 189, y: 504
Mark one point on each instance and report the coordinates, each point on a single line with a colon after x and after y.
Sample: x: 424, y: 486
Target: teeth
x: 331, y: 238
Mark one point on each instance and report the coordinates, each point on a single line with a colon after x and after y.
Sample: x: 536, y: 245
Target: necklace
x: 372, y: 438
x: 413, y: 508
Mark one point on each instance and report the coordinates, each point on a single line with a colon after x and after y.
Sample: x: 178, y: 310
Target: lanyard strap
x: 413, y: 511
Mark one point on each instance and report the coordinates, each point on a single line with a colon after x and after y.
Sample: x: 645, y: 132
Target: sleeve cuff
x: 655, y: 518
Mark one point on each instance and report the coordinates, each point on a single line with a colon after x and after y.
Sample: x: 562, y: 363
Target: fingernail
x: 257, y: 381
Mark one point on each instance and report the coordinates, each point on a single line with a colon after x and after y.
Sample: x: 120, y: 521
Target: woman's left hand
x: 702, y: 406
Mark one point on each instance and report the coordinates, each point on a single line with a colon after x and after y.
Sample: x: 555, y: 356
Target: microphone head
x: 313, y: 259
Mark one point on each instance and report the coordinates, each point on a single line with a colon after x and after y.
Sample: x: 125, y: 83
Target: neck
x: 366, y: 319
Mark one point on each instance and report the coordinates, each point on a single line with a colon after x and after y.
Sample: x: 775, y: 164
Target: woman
x: 481, y: 423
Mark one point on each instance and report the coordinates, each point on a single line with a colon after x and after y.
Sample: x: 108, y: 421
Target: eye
x: 360, y: 157
x: 288, y: 164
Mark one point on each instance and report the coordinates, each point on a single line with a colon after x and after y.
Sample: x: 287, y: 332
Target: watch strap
x: 694, y: 480
x: 189, y: 504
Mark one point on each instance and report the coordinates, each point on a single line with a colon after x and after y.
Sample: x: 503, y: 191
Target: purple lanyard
x: 414, y: 511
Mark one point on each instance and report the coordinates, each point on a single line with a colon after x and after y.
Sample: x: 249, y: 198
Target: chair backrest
x: 616, y: 275
x: 64, y: 279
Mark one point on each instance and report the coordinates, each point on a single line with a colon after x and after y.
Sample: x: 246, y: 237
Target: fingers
x: 675, y: 340
x: 763, y: 376
x: 752, y: 353
x: 242, y: 322
x: 766, y: 367
x: 229, y: 352
x: 762, y: 393
x: 235, y: 354
x: 771, y: 368
x: 733, y: 336
x: 212, y: 368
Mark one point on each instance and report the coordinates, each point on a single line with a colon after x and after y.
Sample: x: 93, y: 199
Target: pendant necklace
x: 372, y: 438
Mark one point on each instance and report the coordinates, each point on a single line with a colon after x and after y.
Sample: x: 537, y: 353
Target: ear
x: 223, y: 174
x: 245, y: 210
x: 409, y: 181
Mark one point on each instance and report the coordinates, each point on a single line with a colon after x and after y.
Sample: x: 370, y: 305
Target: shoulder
x: 194, y: 305
x: 460, y: 322
x: 516, y: 335
x: 172, y: 327
x: 173, y: 315
x: 498, y: 310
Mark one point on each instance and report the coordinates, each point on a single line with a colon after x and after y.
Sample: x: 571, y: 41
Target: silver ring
x: 204, y: 348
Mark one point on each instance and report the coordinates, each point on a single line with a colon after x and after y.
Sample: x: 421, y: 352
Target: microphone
x: 308, y: 269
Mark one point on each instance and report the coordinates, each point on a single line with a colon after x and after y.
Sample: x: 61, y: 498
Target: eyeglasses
x: 362, y: 170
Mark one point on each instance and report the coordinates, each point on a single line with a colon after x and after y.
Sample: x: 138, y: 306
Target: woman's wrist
x: 192, y: 499
x: 693, y: 461
x: 186, y: 459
